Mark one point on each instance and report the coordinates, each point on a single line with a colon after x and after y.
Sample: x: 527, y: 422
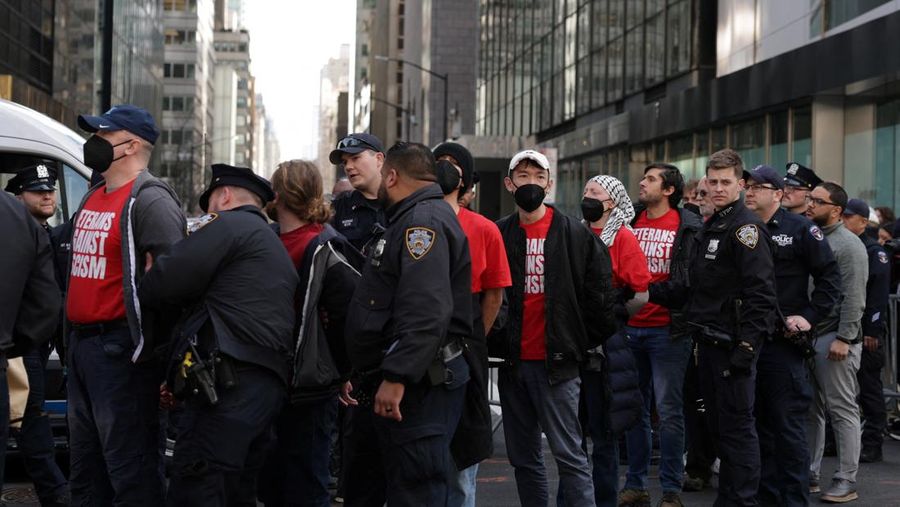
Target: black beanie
x: 463, y: 158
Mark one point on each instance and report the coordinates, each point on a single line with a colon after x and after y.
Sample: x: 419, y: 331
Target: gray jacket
x: 152, y: 222
x: 853, y: 263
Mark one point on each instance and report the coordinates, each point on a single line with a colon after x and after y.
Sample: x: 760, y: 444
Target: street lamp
x: 404, y: 111
x: 442, y: 77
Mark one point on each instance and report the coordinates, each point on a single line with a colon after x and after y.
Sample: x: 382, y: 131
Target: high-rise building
x: 408, y: 56
x: 333, y: 87
x: 232, y: 49
x: 186, y: 126
x: 611, y: 86
x: 225, y: 112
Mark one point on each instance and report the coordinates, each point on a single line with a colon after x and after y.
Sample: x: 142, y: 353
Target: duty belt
x: 452, y: 350
x: 99, y: 328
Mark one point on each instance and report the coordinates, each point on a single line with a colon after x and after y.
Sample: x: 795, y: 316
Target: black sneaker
x: 694, y: 484
x: 871, y: 455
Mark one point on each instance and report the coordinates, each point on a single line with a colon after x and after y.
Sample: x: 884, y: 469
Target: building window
x: 178, y: 103
x: 827, y: 14
x: 801, y: 148
x: 749, y: 140
x: 179, y: 70
x: 180, y: 5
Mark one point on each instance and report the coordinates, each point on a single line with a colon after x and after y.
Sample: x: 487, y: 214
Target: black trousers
x: 871, y: 397
x: 701, y: 444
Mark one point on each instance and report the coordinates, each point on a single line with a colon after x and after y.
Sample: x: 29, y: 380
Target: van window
x: 75, y: 186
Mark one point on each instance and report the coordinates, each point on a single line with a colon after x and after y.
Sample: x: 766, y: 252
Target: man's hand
x: 148, y: 258
x: 166, y: 400
x: 796, y: 323
x: 345, y: 398
x: 870, y: 343
x: 388, y: 398
x: 839, y: 350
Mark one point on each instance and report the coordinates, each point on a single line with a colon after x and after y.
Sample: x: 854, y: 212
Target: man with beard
x: 35, y: 186
x: 405, y: 329
x: 838, y: 349
x: 783, y: 393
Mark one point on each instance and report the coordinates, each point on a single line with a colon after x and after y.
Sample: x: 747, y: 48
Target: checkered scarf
x: 622, y: 214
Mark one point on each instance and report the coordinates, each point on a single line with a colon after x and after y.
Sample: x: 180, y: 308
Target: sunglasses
x: 352, y: 142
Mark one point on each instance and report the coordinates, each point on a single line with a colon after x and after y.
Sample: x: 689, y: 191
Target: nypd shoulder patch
x: 816, y: 233
x: 882, y: 257
x: 419, y: 241
x: 201, y: 222
x: 748, y: 235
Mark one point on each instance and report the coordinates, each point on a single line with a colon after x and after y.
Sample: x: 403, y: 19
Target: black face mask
x: 98, y: 153
x: 592, y: 209
x: 530, y: 197
x: 447, y: 177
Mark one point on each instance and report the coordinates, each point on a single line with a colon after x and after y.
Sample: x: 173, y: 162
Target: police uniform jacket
x: 30, y: 300
x: 234, y: 274
x: 801, y: 251
x: 733, y: 261
x: 357, y: 218
x: 415, y: 291
x: 877, y: 289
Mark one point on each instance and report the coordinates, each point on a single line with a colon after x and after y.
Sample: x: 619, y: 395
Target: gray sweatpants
x: 836, y: 389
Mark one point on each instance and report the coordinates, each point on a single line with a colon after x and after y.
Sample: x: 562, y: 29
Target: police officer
x: 871, y: 400
x: 730, y: 306
x: 784, y: 391
x: 412, y: 308
x: 798, y: 183
x: 358, y: 214
x: 35, y: 186
x: 30, y: 302
x: 232, y: 355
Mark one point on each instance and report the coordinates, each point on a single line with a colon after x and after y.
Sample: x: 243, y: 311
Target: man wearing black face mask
x: 560, y: 306
x: 113, y: 382
x: 473, y: 441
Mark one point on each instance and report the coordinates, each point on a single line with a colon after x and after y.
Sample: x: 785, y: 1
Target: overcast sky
x: 290, y: 41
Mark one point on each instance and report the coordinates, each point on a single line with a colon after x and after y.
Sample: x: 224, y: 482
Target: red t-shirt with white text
x: 534, y: 340
x: 629, y: 266
x: 656, y: 237
x: 490, y: 267
x: 96, y: 292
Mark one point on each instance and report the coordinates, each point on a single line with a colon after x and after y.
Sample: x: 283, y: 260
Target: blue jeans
x: 662, y: 363
x: 530, y: 406
x: 297, y: 471
x: 462, y: 491
x: 113, y: 423
x: 35, y: 439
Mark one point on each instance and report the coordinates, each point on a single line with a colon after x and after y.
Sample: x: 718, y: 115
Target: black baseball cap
x: 766, y: 174
x: 355, y: 143
x: 801, y: 176
x: 122, y: 117
x: 857, y: 207
x: 226, y: 175
x: 34, y: 178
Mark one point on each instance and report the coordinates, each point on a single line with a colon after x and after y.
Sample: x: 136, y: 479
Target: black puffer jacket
x: 622, y: 389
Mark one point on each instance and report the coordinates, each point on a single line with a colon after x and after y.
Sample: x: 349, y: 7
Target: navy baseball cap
x: 355, y: 143
x: 34, y: 178
x: 857, y: 207
x: 122, y: 117
x: 766, y: 174
x: 231, y: 176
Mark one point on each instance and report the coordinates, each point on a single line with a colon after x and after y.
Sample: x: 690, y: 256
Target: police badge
x: 748, y: 235
x: 42, y: 171
x: 882, y: 257
x: 792, y: 169
x: 419, y: 241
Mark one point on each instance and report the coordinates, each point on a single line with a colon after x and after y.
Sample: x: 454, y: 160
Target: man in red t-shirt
x: 490, y: 275
x: 113, y: 382
x: 665, y: 234
x: 560, y: 306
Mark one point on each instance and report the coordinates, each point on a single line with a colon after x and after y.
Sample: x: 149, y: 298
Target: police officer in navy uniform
x: 784, y: 391
x: 874, y: 327
x: 730, y: 304
x: 358, y: 214
x: 35, y: 186
x: 238, y: 284
x: 405, y: 324
x: 798, y: 183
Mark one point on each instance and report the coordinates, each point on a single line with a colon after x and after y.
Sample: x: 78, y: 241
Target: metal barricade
x: 494, y: 392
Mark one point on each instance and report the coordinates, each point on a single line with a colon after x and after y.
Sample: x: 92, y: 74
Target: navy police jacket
x: 234, y: 275
x: 801, y: 251
x: 733, y: 261
x: 415, y: 291
x: 877, y: 289
x: 357, y: 218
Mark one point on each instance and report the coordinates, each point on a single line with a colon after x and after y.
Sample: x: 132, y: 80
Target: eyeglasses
x: 352, y: 142
x: 757, y: 187
x: 819, y: 202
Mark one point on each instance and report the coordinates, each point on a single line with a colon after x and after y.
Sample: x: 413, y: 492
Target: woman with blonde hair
x: 297, y: 472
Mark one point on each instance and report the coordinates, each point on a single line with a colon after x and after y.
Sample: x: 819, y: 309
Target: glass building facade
x: 26, y: 41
